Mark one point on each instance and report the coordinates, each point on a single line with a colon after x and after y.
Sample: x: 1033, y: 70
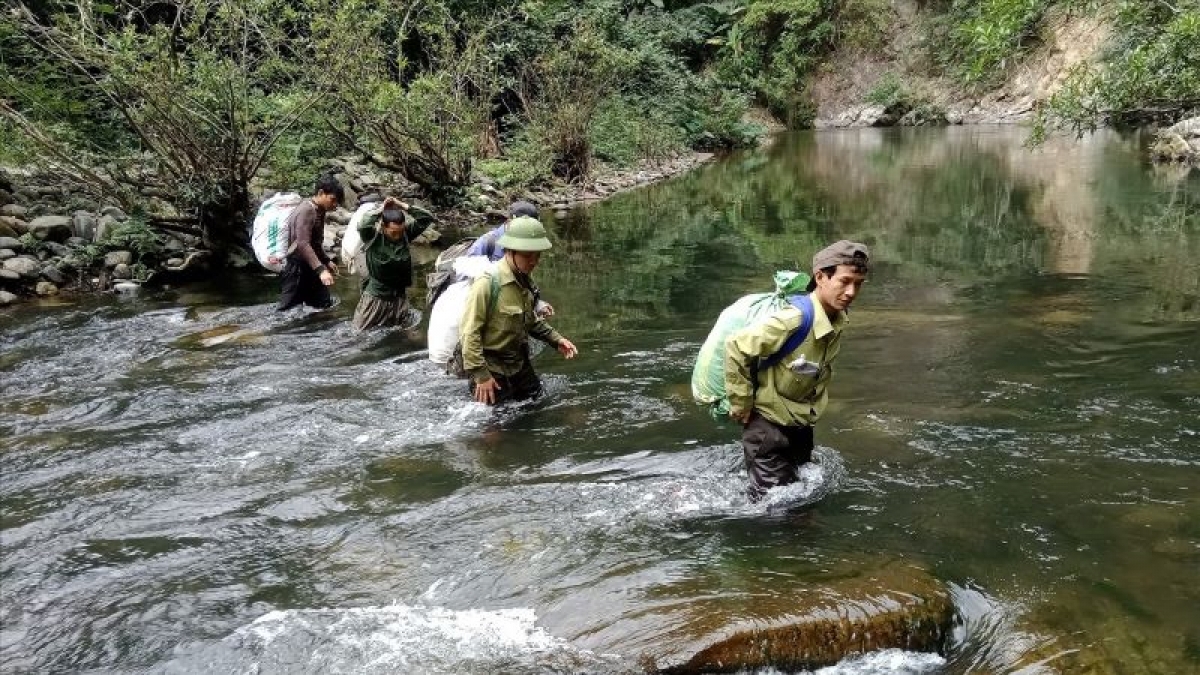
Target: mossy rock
x: 897, y: 606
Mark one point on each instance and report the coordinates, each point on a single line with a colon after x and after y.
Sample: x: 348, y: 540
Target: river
x: 190, y: 482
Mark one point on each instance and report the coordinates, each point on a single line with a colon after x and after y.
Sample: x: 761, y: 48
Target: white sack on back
x: 352, y: 243
x: 472, y: 266
x: 269, y: 233
x: 444, y: 319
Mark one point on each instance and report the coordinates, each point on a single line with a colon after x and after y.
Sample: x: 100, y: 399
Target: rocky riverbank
x: 53, y: 241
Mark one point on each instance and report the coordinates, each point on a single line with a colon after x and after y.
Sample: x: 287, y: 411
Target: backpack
x: 708, y: 373
x: 269, y: 235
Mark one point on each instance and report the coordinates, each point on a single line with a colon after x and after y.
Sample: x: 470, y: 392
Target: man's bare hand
x: 326, y: 278
x: 741, y: 416
x: 544, y: 309
x: 485, y: 392
x: 567, y: 348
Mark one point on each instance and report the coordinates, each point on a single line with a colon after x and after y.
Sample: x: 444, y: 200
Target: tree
x: 199, y: 88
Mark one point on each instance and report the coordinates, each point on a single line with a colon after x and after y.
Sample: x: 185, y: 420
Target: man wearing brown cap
x: 779, y: 402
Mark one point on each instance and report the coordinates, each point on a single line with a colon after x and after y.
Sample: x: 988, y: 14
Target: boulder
x: 114, y: 212
x: 114, y: 258
x: 8, y: 276
x: 8, y: 232
x: 1171, y: 147
x: 15, y: 224
x: 11, y: 242
x: 51, y: 228
x: 6, y: 253
x: 1187, y: 129
x: 77, y: 242
x: 122, y: 271
x: 7, y: 298
x: 127, y: 287
x: 45, y: 288
x: 26, y: 267
x: 55, y: 249
x: 14, y: 210
x: 104, y: 225
x: 838, y: 615
x: 52, y: 274
x: 84, y: 225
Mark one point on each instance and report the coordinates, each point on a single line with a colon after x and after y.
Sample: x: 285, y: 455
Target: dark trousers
x: 301, y: 285
x: 774, y: 454
x: 521, y: 386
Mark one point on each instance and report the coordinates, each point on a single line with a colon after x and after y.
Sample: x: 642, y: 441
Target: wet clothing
x: 785, y: 403
x: 389, y: 271
x: 520, y: 386
x: 497, y: 323
x: 300, y: 280
x: 773, y: 453
x: 372, y: 312
x: 488, y: 244
x: 302, y: 285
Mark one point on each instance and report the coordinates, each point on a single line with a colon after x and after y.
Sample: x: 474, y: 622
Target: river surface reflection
x: 191, y: 483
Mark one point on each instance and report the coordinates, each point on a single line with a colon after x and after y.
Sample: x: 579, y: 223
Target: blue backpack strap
x: 805, y: 305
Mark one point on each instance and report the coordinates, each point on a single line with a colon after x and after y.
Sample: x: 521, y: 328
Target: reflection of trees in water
x: 967, y: 206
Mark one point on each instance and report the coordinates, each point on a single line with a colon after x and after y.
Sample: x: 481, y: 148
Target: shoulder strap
x: 494, y: 295
x: 804, y: 304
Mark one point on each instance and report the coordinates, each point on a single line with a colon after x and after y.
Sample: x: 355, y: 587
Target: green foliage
x: 1151, y: 73
x: 979, y: 39
x: 136, y: 236
x: 625, y: 131
x: 888, y: 91
x: 773, y: 47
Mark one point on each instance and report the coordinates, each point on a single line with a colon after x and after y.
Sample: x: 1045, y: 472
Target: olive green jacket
x: 497, y: 323
x: 783, y: 397
x: 389, y: 263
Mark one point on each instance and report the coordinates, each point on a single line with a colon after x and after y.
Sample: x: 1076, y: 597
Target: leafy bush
x: 888, y: 91
x: 1151, y: 73
x: 980, y: 39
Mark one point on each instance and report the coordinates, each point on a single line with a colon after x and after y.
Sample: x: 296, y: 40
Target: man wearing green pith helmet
x: 499, y: 319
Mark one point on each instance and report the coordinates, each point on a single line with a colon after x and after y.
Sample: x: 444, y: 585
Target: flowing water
x: 192, y: 483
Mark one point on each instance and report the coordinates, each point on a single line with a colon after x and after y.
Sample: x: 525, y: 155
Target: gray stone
x: 26, y: 267
x: 77, y: 242
x: 51, y: 273
x: 1188, y: 128
x: 15, y: 224
x: 14, y: 210
x: 114, y: 258
x: 9, y: 242
x: 9, y: 275
x: 45, y: 288
x: 122, y: 271
x: 51, y: 228
x: 114, y: 212
x: 104, y: 226
x: 339, y: 215
x: 127, y: 287
x: 7, y: 298
x: 84, y: 224
x: 6, y: 253
x: 175, y: 262
x: 1171, y: 147
x: 172, y: 244
x: 58, y: 250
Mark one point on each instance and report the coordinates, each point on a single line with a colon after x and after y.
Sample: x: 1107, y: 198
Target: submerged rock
x: 897, y: 607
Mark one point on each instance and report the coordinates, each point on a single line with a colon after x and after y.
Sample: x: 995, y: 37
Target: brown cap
x: 844, y: 252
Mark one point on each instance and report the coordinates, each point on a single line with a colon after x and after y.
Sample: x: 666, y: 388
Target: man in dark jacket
x: 308, y: 272
x: 389, y: 264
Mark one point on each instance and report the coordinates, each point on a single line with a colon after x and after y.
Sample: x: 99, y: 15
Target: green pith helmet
x: 524, y: 234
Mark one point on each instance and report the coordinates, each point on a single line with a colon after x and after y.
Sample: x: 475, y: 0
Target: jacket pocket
x: 795, y: 388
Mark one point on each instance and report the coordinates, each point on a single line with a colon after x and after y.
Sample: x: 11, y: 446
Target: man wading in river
x: 779, y: 405
x: 308, y: 272
x: 389, y: 264
x: 499, y: 319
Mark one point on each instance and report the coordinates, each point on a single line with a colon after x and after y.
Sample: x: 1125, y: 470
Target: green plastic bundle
x: 708, y: 375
